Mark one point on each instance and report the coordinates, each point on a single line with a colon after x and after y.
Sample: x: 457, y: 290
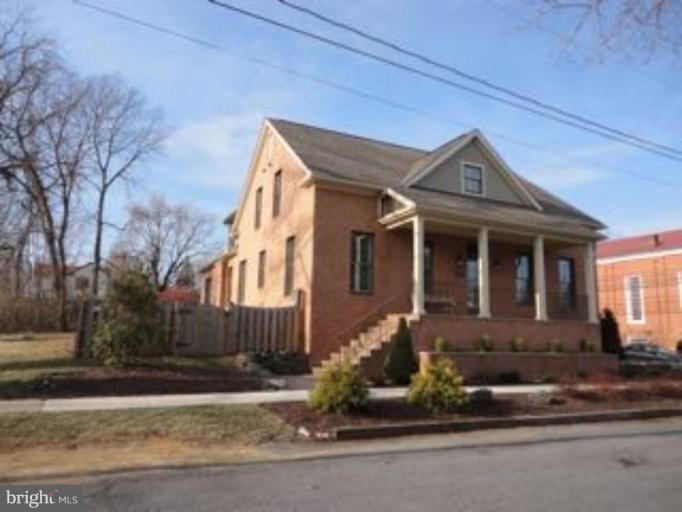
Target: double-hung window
x: 567, y: 298
x: 523, y: 279
x: 428, y: 266
x: 259, y: 207
x: 472, y: 178
x: 241, y: 291
x: 362, y: 263
x: 261, y: 269
x: 289, y: 265
x: 472, y: 283
x: 277, y: 194
x: 634, y: 299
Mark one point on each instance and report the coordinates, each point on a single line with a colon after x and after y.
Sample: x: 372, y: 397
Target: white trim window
x: 472, y: 179
x: 634, y: 299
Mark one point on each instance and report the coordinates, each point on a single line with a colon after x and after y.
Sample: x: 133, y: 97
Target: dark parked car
x: 643, y: 352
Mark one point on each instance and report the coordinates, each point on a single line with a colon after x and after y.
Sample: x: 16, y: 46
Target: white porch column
x: 483, y: 274
x: 591, y: 284
x: 539, y: 271
x: 418, y: 265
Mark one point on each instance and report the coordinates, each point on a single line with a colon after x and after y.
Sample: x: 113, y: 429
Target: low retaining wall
x: 462, y: 332
x: 530, y: 366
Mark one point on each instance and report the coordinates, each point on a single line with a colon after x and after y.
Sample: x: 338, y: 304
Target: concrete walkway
x: 109, y: 403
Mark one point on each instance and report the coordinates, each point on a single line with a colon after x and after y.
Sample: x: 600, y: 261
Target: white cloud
x: 215, y: 151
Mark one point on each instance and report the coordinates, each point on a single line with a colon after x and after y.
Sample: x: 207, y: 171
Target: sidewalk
x: 109, y: 403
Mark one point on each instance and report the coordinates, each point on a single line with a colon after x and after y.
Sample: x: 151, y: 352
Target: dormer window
x: 472, y: 179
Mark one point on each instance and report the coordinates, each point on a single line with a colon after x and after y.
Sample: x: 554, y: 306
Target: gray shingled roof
x: 369, y: 162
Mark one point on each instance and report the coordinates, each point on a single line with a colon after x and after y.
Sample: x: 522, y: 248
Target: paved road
x: 109, y: 403
x: 634, y: 466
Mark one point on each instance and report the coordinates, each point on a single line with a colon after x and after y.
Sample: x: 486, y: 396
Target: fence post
x: 299, y: 333
x: 80, y: 328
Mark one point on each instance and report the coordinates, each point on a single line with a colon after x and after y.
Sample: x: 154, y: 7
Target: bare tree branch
x: 165, y: 238
x: 633, y: 28
x: 124, y: 133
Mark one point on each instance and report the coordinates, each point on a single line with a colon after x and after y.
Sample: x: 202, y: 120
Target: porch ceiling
x: 432, y: 226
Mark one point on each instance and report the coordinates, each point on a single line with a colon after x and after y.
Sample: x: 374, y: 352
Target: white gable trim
x: 266, y: 129
x: 506, y: 173
x: 400, y: 197
x: 418, y: 174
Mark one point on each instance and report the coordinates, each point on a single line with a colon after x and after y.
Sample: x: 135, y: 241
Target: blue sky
x: 215, y: 103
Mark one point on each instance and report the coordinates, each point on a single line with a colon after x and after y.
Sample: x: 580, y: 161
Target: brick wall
x: 462, y: 333
x: 531, y: 367
x: 335, y: 309
x: 661, y: 293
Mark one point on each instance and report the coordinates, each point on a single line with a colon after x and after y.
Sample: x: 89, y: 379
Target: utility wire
x: 569, y: 41
x: 469, y: 76
x: 671, y: 154
x: 338, y: 86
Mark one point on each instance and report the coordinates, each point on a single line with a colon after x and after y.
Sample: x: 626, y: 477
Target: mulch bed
x: 104, y: 381
x: 571, y: 399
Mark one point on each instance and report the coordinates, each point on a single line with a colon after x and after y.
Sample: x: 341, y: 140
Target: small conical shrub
x: 400, y: 363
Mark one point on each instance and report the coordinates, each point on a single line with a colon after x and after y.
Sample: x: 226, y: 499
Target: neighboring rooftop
x: 651, y: 242
x: 179, y: 294
x: 378, y: 164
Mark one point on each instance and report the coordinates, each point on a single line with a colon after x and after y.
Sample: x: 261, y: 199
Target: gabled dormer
x: 468, y: 165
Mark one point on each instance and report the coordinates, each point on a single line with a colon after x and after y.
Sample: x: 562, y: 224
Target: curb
x: 65, y: 476
x: 442, y: 427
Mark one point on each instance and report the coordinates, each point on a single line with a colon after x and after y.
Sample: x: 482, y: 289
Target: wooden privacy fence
x: 202, y: 329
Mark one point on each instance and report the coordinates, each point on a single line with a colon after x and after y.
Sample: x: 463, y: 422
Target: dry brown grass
x: 40, y: 444
x: 44, y: 462
x: 36, y: 347
x: 241, y: 424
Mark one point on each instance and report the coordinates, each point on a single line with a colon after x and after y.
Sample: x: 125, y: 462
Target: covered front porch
x: 495, y: 273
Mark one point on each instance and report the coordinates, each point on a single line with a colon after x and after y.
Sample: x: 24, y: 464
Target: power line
x: 568, y: 40
x: 338, y: 86
x: 672, y: 154
x: 468, y: 76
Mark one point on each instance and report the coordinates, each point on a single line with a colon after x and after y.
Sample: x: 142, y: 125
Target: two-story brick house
x: 451, y: 238
x: 640, y: 280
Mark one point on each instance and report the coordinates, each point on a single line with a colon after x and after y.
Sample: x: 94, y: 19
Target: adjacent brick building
x: 640, y: 280
x: 367, y: 231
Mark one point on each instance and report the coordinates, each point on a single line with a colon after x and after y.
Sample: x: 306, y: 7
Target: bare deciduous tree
x: 59, y: 132
x: 124, y: 133
x: 17, y: 223
x: 628, y: 27
x: 43, y: 137
x: 27, y: 64
x: 166, y: 238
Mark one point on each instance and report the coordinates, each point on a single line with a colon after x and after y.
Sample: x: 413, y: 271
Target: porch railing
x: 566, y: 307
x: 504, y: 305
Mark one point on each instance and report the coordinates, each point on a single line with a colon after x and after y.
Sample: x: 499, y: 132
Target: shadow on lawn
x: 47, y: 364
x: 57, y: 378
